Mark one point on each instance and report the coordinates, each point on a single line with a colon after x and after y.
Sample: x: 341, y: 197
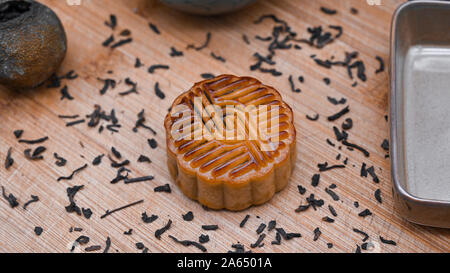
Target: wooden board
x: 37, y: 113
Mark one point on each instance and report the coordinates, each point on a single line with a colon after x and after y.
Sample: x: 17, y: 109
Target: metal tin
x: 421, y: 194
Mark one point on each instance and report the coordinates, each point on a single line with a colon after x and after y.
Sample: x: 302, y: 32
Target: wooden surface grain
x: 36, y: 112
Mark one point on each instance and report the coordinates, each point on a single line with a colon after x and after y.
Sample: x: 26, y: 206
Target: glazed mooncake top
x: 230, y: 129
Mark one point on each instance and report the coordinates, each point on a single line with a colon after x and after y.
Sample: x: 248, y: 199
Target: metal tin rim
x: 394, y: 115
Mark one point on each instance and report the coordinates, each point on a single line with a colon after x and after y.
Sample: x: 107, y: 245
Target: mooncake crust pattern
x: 224, y: 174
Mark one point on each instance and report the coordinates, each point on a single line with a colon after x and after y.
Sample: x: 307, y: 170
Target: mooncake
x: 231, y: 142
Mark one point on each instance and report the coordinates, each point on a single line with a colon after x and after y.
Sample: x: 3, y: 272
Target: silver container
x: 420, y: 112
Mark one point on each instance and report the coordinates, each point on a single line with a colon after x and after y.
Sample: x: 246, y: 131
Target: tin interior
x: 422, y: 61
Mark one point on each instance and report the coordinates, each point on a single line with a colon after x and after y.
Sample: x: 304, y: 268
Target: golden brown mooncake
x: 230, y: 142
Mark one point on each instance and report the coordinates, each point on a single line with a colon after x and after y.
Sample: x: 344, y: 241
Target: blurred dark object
x: 33, y: 43
x: 207, y: 7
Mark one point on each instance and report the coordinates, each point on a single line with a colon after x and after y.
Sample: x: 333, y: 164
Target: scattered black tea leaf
x: 291, y: 83
x: 12, y: 200
x: 244, y: 221
x: 128, y: 232
x: 385, y: 145
x: 339, y: 114
x: 245, y: 38
x: 315, y: 180
x: 112, y: 23
x: 148, y: 219
x: 161, y: 231
x: 108, y: 41
x: 217, y: 57
x: 207, y: 76
x: 154, y: 28
x: 144, y: 159
x: 152, y: 142
x: 73, y: 173
x: 138, y: 179
x: 261, y: 228
x: 9, y: 161
x: 302, y: 208
x: 116, y: 164
x: 203, y: 239
x: 324, y: 167
x: 140, y: 246
x: 38, y: 231
x: 359, y: 65
x: 340, y: 136
x: 119, y: 177
x: 87, y: 213
x: 18, y: 133
x: 317, y: 234
x: 163, y: 188
x: 357, y: 147
x: 210, y: 227
x: 138, y: 63
x: 133, y: 89
x: 348, y: 124
x: 107, y: 84
x: 277, y: 240
x: 188, y: 243
x: 328, y: 11
x: 125, y: 32
x: 204, y: 45
x: 140, y: 123
x: 93, y: 248
x: 188, y: 216
x: 158, y: 91
x: 378, y: 196
x: 155, y: 67
x: 175, y: 53
x: 116, y: 153
x: 259, y: 241
x: 122, y: 42
x: 291, y: 235
x: 332, y: 210
x: 33, y: 199
x: 332, y: 194
x: 314, y: 118
x: 366, y: 236
x: 36, y: 141
x: 264, y: 39
x: 37, y: 153
x: 365, y: 171
x: 313, y: 202
x: 330, y: 143
x: 98, y: 160
x: 381, y: 68
x: 272, y: 225
x: 387, y: 242
x: 73, y: 123
x: 301, y: 189
x: 71, y: 192
x: 335, y: 101
x: 108, y: 212
x: 82, y: 240
x: 65, y: 93
x: 60, y: 161
x: 365, y: 213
